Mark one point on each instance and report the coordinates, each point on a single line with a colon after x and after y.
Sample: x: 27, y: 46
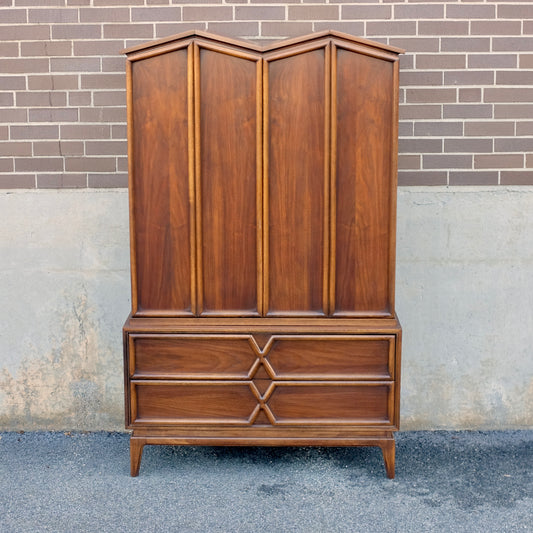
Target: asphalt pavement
x: 445, y: 481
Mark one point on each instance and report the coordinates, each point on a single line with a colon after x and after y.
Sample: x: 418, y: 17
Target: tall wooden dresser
x: 262, y: 211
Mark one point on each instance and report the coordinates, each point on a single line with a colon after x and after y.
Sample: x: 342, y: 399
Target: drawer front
x: 282, y: 357
x: 337, y: 403
x: 347, y: 357
x: 192, y: 402
x: 186, y: 356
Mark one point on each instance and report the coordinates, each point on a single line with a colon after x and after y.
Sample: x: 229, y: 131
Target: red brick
x: 34, y: 131
x: 420, y: 112
x: 9, y: 49
x: 155, y: 14
x: 468, y: 146
x: 9, y: 16
x: 469, y: 95
x: 17, y: 181
x: 128, y: 31
x: 512, y: 44
x: 524, y: 177
x: 498, y: 161
x: 513, y: 144
x: 492, y: 60
x: 41, y: 15
x: 85, y: 131
x: 431, y: 95
x: 422, y: 177
x: 514, y: 78
x: 77, y: 31
x: 207, y: 13
x: 409, y: 162
x: 61, y: 181
x: 517, y: 11
x: 442, y: 27
x: 393, y: 27
x: 15, y: 148
x: 420, y: 78
x: 495, y: 27
x: 115, y: 179
x: 440, y: 61
x: 469, y: 77
x: 526, y: 60
x: 106, y: 147
x: 105, y: 14
x: 260, y: 13
x: 420, y: 11
x: 446, y: 161
x: 54, y: 82
x: 465, y: 44
x: 23, y: 65
x: 58, y: 148
x: 469, y: 11
x: 12, y: 82
x: 286, y: 29
x: 90, y: 164
x: 41, y: 98
x: 27, y: 32
x: 467, y: 111
x: 489, y: 128
x: 474, y: 177
x: 53, y: 114
x: 438, y: 129
x: 419, y: 146
x: 373, y: 12
x: 508, y: 111
x: 38, y: 164
x: 504, y: 94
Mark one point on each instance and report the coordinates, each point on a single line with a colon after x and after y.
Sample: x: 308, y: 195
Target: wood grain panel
x: 229, y: 158
x: 185, y: 402
x: 346, y: 358
x: 160, y: 181
x: 364, y: 129
x: 330, y: 403
x: 182, y: 356
x: 296, y: 125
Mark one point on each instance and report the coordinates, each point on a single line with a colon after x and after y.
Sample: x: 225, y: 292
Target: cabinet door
x: 159, y: 124
x: 228, y: 177
x: 297, y: 180
x: 364, y: 186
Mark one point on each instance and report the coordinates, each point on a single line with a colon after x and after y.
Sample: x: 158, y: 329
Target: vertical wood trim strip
x: 393, y: 185
x: 265, y: 217
x: 327, y: 179
x: 198, y: 190
x: 192, y: 163
x: 333, y: 180
x: 259, y: 184
x: 131, y: 195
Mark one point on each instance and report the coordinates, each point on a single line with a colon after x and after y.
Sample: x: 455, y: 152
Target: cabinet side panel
x: 296, y: 162
x: 228, y: 177
x: 160, y: 183
x: 364, y: 128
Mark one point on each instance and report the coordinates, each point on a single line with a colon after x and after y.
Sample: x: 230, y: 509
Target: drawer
x: 281, y: 357
x: 348, y: 357
x: 191, y: 356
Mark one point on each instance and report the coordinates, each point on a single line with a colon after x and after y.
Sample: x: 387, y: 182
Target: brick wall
x: 466, y: 81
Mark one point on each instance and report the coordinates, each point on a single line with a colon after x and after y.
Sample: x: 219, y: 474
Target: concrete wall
x: 464, y: 296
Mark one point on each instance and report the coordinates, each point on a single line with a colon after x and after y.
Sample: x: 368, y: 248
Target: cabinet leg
x: 388, y: 449
x: 136, y: 452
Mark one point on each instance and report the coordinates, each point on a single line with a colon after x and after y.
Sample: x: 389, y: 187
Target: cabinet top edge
x: 248, y: 45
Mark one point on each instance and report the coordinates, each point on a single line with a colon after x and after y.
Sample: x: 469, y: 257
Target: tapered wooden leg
x: 136, y: 453
x: 388, y: 449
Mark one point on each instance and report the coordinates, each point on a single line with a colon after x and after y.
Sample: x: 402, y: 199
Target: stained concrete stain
x: 66, y: 387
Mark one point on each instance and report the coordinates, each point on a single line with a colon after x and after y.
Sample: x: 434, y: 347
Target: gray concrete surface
x: 464, y: 295
x: 446, y: 481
